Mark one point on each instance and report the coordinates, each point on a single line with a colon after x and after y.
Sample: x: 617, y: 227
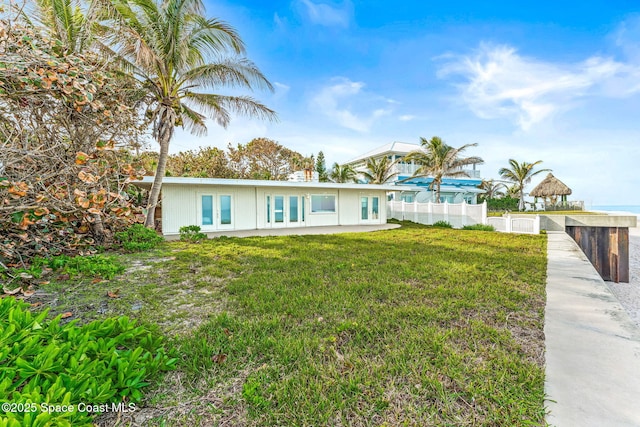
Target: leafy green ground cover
x: 418, y: 326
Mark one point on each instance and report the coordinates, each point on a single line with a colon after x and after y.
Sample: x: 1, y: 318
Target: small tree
x: 520, y: 174
x: 181, y: 57
x: 438, y: 159
x: 321, y: 168
x: 343, y: 174
x: 379, y: 171
x: 492, y: 190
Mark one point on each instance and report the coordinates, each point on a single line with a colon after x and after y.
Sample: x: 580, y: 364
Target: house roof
x: 393, y: 147
x: 550, y: 186
x: 173, y: 180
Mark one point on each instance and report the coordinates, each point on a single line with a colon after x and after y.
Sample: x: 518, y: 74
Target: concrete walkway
x: 592, y: 347
x: 298, y: 231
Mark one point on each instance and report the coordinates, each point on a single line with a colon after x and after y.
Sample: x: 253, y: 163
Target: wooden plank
x: 613, y: 253
x: 602, y: 252
x: 623, y: 254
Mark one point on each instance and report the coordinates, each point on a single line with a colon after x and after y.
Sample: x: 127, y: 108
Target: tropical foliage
x: 379, y: 171
x: 262, y: 158
x: 205, y: 162
x: 62, y: 117
x: 343, y: 173
x: 46, y: 362
x: 438, y: 160
x: 520, y: 174
x: 182, y: 57
x: 502, y: 204
x: 492, y: 189
x: 321, y: 168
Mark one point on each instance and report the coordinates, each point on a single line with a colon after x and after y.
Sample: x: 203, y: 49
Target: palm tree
x: 64, y: 20
x: 178, y: 54
x: 438, y: 159
x: 491, y: 189
x: 520, y: 174
x: 379, y: 171
x: 342, y: 174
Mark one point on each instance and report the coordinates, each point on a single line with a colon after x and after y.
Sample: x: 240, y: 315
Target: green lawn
x: 417, y: 326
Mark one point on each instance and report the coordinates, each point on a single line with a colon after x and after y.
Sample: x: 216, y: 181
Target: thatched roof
x: 550, y: 186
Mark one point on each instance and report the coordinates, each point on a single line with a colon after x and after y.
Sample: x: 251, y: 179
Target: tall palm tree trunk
x: 164, y: 134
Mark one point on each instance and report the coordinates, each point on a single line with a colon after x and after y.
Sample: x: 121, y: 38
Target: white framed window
x: 323, y: 203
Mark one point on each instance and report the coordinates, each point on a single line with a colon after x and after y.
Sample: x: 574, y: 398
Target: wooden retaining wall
x: 606, y: 247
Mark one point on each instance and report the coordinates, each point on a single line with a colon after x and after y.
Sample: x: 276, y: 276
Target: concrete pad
x: 300, y: 231
x: 592, y: 346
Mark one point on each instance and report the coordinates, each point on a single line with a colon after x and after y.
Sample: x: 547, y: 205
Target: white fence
x: 459, y: 215
x: 509, y: 224
x: 456, y: 214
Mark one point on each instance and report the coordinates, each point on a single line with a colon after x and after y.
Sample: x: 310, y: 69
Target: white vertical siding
x: 349, y: 207
x: 180, y: 205
x: 244, y: 207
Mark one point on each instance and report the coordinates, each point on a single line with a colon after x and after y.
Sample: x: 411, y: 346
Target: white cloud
x: 499, y: 82
x: 281, y: 90
x: 337, y: 101
x: 280, y: 22
x: 627, y: 38
x: 329, y: 15
x: 406, y: 118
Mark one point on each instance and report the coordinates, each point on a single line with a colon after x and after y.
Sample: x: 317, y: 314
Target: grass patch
x: 412, y: 326
x: 479, y: 227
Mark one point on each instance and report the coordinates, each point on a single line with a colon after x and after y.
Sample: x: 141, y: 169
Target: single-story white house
x: 217, y: 204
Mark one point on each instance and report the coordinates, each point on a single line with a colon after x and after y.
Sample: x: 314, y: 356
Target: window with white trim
x: 323, y: 203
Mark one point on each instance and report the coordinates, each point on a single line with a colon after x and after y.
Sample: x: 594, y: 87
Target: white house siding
x: 181, y: 206
x: 350, y: 208
x: 178, y: 207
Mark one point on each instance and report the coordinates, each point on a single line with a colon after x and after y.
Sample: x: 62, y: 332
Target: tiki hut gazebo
x: 551, y: 187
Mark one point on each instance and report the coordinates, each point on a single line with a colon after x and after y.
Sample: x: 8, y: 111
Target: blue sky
x: 551, y: 81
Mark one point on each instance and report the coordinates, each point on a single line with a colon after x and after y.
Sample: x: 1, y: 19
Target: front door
x: 215, y: 212
x: 285, y: 210
x: 369, y: 209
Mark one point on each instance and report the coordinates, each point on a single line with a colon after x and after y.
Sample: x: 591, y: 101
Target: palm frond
x: 193, y: 121
x: 238, y: 72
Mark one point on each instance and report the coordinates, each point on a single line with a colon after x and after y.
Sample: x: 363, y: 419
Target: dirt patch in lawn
x: 150, y: 289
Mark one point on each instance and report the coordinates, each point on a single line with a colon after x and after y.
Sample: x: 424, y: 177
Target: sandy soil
x: 629, y: 293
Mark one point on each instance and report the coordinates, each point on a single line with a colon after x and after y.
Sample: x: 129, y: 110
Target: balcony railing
x: 409, y: 169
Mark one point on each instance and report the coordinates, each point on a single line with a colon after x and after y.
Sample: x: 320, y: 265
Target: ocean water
x: 619, y: 209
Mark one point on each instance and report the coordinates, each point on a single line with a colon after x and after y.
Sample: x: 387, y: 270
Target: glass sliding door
x: 375, y: 208
x: 269, y: 211
x: 278, y: 209
x: 284, y: 210
x: 225, y: 214
x: 215, y: 212
x: 364, y: 208
x: 293, y: 209
x: 207, y: 210
x: 369, y: 207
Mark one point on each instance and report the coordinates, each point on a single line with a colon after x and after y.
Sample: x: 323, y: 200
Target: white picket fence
x: 459, y: 215
x: 456, y: 214
x: 509, y: 224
